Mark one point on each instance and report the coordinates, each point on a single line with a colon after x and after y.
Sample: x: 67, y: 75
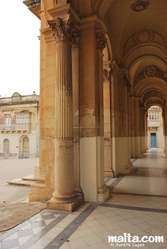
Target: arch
x: 155, y: 122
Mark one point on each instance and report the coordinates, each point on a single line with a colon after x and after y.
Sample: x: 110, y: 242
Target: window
x: 23, y: 118
x: 8, y: 120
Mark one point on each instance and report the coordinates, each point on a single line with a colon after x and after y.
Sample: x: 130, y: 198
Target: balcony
x: 154, y: 123
x: 15, y: 127
x: 32, y: 3
x: 34, y: 6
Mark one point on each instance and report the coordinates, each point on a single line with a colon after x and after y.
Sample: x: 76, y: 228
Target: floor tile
x: 137, y: 206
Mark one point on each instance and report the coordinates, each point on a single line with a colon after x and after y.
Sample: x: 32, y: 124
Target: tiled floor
x: 138, y: 206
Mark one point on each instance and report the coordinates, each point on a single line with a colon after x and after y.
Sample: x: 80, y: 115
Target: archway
x: 155, y: 127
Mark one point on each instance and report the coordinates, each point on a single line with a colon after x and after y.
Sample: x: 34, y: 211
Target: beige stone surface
x: 14, y: 214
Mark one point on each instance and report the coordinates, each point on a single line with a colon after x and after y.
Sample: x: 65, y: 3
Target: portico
x: 103, y: 65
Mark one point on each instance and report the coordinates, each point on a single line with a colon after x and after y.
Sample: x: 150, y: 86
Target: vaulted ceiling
x: 137, y: 39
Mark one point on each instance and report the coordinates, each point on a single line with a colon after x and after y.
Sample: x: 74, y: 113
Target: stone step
x: 24, y: 181
x: 28, y: 178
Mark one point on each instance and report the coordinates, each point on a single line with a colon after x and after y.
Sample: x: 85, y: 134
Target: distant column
x: 107, y: 119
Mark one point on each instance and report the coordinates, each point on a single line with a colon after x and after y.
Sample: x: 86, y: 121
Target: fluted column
x: 64, y: 139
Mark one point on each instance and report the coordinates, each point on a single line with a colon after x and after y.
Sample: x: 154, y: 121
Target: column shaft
x: 64, y: 149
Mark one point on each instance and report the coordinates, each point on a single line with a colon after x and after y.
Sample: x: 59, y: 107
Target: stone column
x: 141, y: 126
x: 107, y: 119
x: 64, y: 196
x: 76, y: 111
x: 121, y: 162
x: 127, y: 123
x: 137, y: 128
x: 132, y: 100
x: 43, y: 188
x: 91, y: 111
x: 164, y: 113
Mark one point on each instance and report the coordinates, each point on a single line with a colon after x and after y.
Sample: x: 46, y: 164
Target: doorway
x: 24, y: 147
x: 153, y: 140
x: 6, y: 148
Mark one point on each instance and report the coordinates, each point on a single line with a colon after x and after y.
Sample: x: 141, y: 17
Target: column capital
x: 101, y: 40
x: 107, y: 74
x: 126, y: 79
x: 65, y: 29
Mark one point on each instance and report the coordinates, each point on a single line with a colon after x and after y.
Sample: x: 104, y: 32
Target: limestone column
x: 64, y: 196
x: 127, y: 87
x: 121, y: 161
x: 43, y: 188
x: 146, y: 130
x: 132, y: 100
x: 76, y: 110
x: 107, y: 119
x: 165, y: 125
x: 91, y: 111
x: 137, y: 127
x: 141, y: 126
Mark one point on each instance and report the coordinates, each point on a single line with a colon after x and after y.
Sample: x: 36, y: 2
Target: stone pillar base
x: 103, y: 194
x: 108, y: 173
x: 38, y: 193
x: 129, y: 168
x: 78, y: 190
x: 66, y: 206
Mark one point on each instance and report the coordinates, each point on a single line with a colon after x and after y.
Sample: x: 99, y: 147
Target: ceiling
x: 137, y: 33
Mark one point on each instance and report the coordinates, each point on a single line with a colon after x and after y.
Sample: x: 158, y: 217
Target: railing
x: 7, y: 127
x: 15, y: 127
x: 153, y: 123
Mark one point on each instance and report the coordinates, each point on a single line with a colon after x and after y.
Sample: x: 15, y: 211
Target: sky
x: 19, y: 49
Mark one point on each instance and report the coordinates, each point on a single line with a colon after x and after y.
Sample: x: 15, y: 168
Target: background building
x: 155, y: 127
x: 19, y: 126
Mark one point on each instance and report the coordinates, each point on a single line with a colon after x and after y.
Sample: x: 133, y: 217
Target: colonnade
x: 91, y: 124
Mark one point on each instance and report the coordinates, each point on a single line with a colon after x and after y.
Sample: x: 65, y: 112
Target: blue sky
x: 19, y: 49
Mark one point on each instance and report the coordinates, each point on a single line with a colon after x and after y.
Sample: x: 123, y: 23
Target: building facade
x: 155, y: 128
x: 19, y: 126
x: 103, y: 65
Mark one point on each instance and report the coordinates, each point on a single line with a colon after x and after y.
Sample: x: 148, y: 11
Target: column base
x: 103, y: 193
x: 129, y: 168
x: 108, y: 173
x: 71, y: 206
x: 38, y: 193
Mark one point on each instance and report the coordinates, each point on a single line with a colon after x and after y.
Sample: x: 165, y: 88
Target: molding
x: 151, y: 71
x: 143, y: 37
x: 139, y: 5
